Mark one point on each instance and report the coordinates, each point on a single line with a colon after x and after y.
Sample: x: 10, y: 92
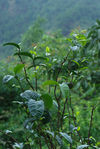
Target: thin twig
x: 26, y: 76
x: 36, y: 81
x: 90, y: 125
x: 19, y: 83
x: 63, y: 112
x: 58, y: 115
x: 59, y: 70
x: 47, y: 138
x: 58, y: 98
x: 69, y: 114
x: 74, y: 119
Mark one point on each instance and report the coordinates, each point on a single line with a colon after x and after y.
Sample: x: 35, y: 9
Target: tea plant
x: 51, y: 112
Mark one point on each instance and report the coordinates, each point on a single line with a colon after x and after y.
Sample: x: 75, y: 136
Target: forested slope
x: 16, y: 16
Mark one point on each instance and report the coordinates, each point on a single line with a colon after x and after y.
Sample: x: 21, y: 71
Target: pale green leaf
x: 29, y: 94
x: 66, y: 136
x: 7, y: 78
x: 82, y: 146
x: 36, y: 108
x: 65, y: 90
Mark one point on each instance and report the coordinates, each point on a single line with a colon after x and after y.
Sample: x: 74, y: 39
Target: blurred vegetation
x: 16, y: 16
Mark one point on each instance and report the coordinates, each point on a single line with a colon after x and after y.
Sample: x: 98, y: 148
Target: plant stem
x: 19, y: 83
x: 58, y: 115
x: 63, y: 112
x: 48, y: 78
x: 26, y: 76
x: 59, y: 70
x: 69, y: 114
x: 36, y: 80
x: 40, y: 144
x: 74, y: 119
x: 90, y: 125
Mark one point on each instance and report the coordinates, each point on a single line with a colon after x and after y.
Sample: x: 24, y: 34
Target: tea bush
x: 59, y: 90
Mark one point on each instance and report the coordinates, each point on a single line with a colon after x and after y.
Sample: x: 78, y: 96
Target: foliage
x: 59, y: 93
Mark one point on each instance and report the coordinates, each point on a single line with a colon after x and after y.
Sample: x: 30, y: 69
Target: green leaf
x: 12, y: 44
x: 89, y: 92
x: 29, y: 94
x: 66, y: 136
x: 65, y: 90
x: 82, y: 146
x: 72, y: 128
x: 98, y: 21
x: 43, y: 65
x: 40, y: 58
x: 76, y: 62
x: 55, y: 104
x: 84, y: 60
x: 46, y: 117
x: 83, y: 68
x: 48, y: 101
x: 24, y: 54
x: 18, y: 146
x: 36, y: 108
x: 59, y: 140
x: 31, y: 66
x: 18, y: 68
x: 27, y: 121
x: 47, y: 50
x: 7, y: 78
x: 8, y: 131
x: 49, y: 132
x: 50, y: 82
x: 75, y: 48
x: 18, y: 102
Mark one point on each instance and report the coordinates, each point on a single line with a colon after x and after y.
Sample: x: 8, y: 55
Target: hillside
x: 17, y: 15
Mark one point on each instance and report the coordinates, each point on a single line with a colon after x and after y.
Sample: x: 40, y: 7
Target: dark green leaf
x: 98, y: 21
x: 31, y: 66
x: 40, y: 58
x: 18, y: 68
x: 46, y: 117
x: 48, y: 101
x: 24, y: 54
x: 36, y: 108
x: 12, y: 44
x: 43, y: 65
x: 7, y: 78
